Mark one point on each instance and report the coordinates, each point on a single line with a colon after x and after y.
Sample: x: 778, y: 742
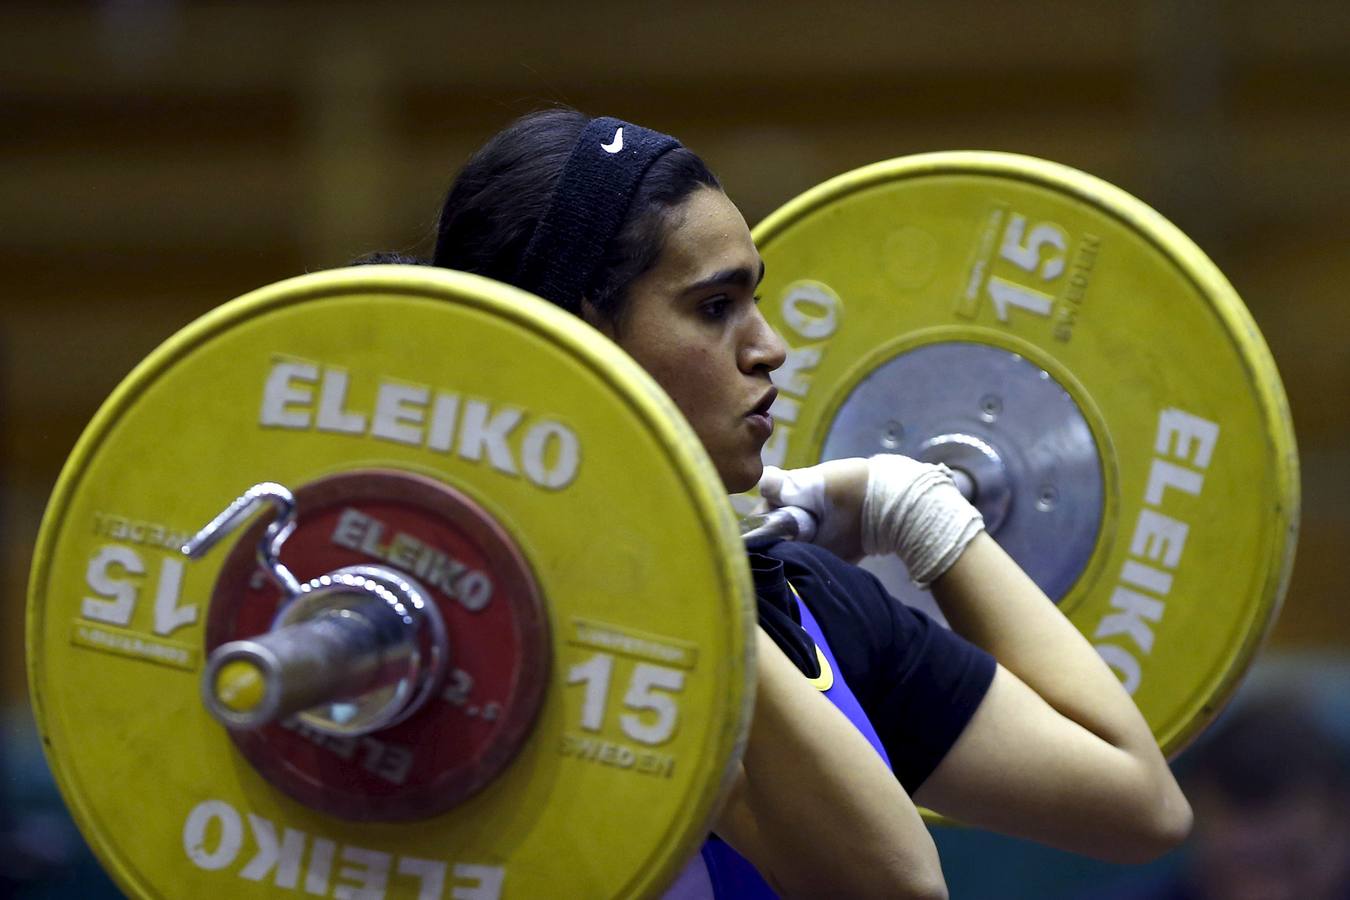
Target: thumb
x: 771, y: 485
x: 795, y: 487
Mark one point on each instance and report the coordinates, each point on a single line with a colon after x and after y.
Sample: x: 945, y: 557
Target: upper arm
x: 736, y: 824
x: 1022, y: 768
x: 927, y: 684
x: 814, y: 807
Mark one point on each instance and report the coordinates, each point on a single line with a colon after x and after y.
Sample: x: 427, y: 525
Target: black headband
x: 588, y: 208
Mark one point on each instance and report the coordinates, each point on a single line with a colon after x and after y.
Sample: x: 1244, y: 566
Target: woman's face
x: 692, y: 323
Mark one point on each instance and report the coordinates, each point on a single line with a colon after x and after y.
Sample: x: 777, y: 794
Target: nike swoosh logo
x: 825, y: 680
x: 615, y: 145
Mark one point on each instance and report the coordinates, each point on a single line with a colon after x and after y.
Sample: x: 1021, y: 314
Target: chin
x: 742, y: 478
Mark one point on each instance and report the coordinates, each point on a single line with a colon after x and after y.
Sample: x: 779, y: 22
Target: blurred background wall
x: 159, y: 157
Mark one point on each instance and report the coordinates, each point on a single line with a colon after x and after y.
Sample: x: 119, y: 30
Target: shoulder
x: 848, y: 598
x: 803, y: 553
x: 802, y: 559
x: 918, y: 682
x: 854, y: 611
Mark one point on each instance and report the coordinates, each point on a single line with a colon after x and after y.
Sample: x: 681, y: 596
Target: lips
x: 759, y: 417
x: 762, y: 407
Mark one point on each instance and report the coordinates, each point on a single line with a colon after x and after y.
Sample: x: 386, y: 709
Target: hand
x: 886, y: 504
x: 832, y: 491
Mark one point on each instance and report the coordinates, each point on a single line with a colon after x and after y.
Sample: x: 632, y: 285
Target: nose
x: 763, y: 349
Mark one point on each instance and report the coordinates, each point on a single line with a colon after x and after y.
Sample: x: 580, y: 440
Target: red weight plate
x: 474, y: 723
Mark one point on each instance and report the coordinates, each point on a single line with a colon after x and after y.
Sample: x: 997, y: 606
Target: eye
x: 716, y: 308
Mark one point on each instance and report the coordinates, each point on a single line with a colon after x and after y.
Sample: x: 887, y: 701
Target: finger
x: 804, y: 488
x: 771, y: 485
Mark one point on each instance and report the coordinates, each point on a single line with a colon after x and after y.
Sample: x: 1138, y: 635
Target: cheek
x: 691, y: 380
x: 679, y: 367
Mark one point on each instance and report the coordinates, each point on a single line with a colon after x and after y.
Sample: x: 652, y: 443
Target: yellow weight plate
x: 582, y: 461
x: 1096, y: 354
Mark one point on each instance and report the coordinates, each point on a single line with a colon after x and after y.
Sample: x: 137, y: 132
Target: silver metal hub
x: 1005, y: 424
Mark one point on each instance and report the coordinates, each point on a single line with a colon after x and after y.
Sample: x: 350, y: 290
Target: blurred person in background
x: 1270, y: 788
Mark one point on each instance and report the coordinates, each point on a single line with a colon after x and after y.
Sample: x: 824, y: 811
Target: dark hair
x: 491, y: 210
x: 381, y: 257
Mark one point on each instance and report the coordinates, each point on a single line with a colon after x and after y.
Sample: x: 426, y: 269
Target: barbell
x: 483, y: 623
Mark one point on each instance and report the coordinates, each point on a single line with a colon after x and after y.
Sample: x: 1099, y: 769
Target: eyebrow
x: 737, y: 277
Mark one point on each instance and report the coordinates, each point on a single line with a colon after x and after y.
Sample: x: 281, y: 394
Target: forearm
x: 817, y: 809
x: 1056, y: 750
x: 989, y: 600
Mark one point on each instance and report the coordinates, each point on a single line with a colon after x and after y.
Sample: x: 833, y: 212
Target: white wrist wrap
x: 914, y: 509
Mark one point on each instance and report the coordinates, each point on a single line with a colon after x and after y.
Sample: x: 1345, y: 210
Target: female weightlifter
x: 864, y: 707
